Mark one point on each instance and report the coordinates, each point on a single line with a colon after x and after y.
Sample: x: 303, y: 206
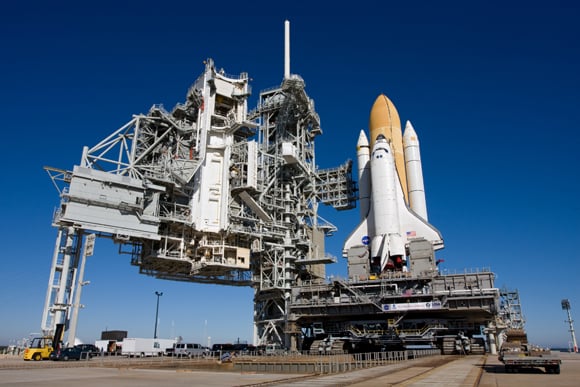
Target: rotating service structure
x: 207, y: 192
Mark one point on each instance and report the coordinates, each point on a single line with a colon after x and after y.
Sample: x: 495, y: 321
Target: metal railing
x: 328, y: 364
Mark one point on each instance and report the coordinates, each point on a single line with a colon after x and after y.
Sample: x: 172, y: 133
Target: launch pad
x: 212, y: 192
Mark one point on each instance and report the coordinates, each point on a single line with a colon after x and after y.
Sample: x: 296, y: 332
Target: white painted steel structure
x: 207, y: 192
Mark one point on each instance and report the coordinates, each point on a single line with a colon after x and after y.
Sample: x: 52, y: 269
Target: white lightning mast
x: 286, y: 49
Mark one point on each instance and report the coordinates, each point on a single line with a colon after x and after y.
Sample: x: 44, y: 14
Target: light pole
x: 566, y: 307
x: 158, y: 294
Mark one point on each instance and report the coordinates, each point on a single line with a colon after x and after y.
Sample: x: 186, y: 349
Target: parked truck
x: 108, y: 347
x: 517, y: 353
x: 519, y: 356
x: 141, y: 347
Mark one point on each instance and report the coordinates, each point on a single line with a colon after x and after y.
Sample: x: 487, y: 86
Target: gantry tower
x: 207, y: 192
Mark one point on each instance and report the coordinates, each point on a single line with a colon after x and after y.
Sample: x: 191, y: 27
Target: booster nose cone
x: 362, y: 140
x: 410, y: 135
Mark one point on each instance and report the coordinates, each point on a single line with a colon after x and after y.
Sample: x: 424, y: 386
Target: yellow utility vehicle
x: 41, y: 347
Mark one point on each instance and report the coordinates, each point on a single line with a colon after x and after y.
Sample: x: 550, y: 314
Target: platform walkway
x: 445, y: 371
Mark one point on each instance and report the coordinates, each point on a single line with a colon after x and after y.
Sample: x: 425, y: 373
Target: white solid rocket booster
x: 414, y: 171
x: 364, y: 174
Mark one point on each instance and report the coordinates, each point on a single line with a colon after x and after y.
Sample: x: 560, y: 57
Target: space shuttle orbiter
x: 390, y: 177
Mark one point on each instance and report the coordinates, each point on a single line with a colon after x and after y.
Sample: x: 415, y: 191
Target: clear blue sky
x: 492, y: 89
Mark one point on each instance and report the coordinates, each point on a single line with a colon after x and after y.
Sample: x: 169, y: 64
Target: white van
x: 274, y: 350
x: 189, y: 349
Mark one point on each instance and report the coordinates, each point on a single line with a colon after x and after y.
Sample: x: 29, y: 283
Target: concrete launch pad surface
x: 483, y: 371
